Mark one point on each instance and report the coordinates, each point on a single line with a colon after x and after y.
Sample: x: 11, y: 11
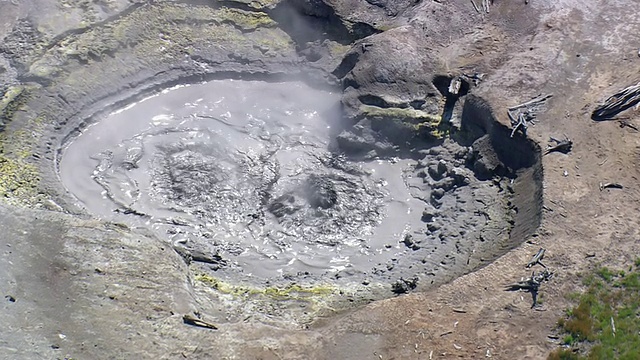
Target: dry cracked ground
x: 74, y: 286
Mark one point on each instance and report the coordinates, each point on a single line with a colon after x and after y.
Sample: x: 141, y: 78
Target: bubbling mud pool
x: 246, y: 177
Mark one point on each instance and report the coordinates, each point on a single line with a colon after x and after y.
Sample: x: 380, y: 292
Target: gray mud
x: 247, y: 176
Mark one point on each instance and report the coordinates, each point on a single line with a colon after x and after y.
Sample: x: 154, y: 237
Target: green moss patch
x: 423, y: 123
x: 18, y: 180
x: 290, y: 292
x: 164, y: 31
x: 246, y: 20
x: 11, y: 102
x: 606, y: 320
x: 255, y: 4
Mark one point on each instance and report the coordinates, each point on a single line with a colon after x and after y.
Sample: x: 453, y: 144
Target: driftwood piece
x: 617, y: 103
x: 533, y: 102
x: 613, y: 327
x: 475, y: 6
x: 476, y: 78
x: 486, y: 4
x: 190, y: 255
x: 537, y: 259
x: 531, y: 284
x: 129, y: 211
x: 563, y: 146
x: 192, y: 320
x: 610, y: 186
x: 625, y: 123
x: 524, y: 114
x: 519, y: 124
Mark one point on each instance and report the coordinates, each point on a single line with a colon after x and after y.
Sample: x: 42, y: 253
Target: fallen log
x: 617, y: 103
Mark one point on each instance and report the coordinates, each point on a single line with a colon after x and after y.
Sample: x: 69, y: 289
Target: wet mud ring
x: 468, y: 195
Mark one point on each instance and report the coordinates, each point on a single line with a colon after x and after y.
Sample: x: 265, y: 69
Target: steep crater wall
x: 516, y: 157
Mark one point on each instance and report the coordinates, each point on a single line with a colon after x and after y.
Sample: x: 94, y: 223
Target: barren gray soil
x: 318, y: 179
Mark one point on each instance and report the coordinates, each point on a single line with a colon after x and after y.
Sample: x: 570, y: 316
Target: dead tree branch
x: 531, y: 284
x: 563, y: 146
x: 610, y: 186
x: 475, y: 6
x: 524, y: 114
x: 537, y: 259
x: 192, y: 320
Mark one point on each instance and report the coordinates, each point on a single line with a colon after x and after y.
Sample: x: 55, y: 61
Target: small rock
x: 428, y: 214
x: 459, y: 176
x: 461, y: 153
x: 445, y: 184
x: 410, y: 243
x: 434, y: 172
x: 423, y: 163
x: 436, y: 203
x: 442, y: 167
x: 403, y: 286
x: 437, y: 193
x: 433, y: 227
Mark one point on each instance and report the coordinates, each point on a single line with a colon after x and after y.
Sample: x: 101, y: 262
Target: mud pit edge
x: 477, y: 121
x: 37, y: 115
